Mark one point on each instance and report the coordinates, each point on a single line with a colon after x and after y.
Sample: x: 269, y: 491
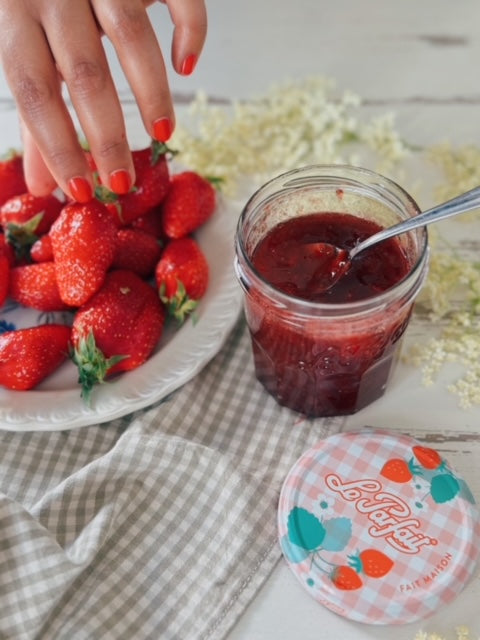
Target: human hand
x: 45, y: 43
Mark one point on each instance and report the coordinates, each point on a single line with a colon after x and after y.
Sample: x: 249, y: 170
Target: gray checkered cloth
x: 158, y: 525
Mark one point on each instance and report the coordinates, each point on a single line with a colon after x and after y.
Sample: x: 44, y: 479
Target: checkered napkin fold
x: 161, y: 524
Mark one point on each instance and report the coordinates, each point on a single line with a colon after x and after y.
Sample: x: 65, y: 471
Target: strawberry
x: 117, y: 329
x: 28, y: 356
x: 7, y: 260
x: 12, y: 179
x: 371, y: 562
x: 83, y: 243
x: 151, y: 222
x: 346, y: 578
x: 35, y: 286
x: 41, y: 250
x: 22, y: 208
x: 4, y: 278
x: 136, y: 251
x: 151, y: 185
x: 427, y: 457
x: 397, y: 470
x: 26, y: 217
x: 182, y: 276
x: 189, y: 203
x: 6, y: 250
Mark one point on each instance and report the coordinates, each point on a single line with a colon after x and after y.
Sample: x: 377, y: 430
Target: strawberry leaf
x: 355, y: 562
x: 92, y: 365
x: 160, y: 149
x: 9, y: 154
x: 23, y: 236
x: 415, y: 469
x: 338, y: 532
x: 216, y: 181
x: 291, y: 551
x: 444, y: 488
x: 179, y: 305
x: 105, y: 195
x: 305, y: 529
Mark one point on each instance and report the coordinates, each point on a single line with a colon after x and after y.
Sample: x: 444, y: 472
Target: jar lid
x: 378, y: 527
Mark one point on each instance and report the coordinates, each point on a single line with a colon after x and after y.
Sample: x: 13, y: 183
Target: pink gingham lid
x: 378, y: 527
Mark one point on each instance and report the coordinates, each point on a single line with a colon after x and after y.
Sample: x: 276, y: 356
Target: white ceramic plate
x: 56, y: 403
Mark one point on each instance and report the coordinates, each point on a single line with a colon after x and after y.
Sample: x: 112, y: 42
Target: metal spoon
x: 342, y: 258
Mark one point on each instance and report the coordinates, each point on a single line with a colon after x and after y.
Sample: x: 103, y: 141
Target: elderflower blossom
x: 381, y: 136
x: 293, y: 124
x: 456, y: 344
x: 449, y: 277
x: 451, y: 298
x: 462, y: 633
x: 460, y: 168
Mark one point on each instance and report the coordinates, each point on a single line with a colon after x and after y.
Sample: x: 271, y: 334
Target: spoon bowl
x: 337, y: 261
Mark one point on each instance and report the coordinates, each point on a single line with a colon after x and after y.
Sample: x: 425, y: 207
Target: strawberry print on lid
x: 378, y: 527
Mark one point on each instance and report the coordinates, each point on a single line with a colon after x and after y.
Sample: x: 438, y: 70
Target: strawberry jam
x: 291, y: 258
x: 333, y: 366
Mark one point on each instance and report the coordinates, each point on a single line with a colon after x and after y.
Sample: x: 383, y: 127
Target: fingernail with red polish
x: 120, y: 181
x: 189, y: 64
x: 80, y: 189
x: 162, y: 129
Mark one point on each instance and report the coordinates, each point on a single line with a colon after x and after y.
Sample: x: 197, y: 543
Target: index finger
x: 190, y: 20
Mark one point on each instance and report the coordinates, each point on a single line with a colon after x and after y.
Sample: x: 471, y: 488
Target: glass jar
x: 322, y: 358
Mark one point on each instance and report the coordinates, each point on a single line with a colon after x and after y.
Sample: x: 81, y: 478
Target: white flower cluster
x: 463, y: 633
x: 293, y: 124
x: 457, y: 344
x: 460, y: 168
x: 452, y: 291
x: 450, y: 277
x: 451, y: 298
x: 380, y: 134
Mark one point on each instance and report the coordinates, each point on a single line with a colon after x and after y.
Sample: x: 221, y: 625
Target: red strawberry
x: 41, y: 250
x: 136, y: 251
x: 26, y: 217
x: 182, y: 276
x: 428, y: 458
x: 117, y: 329
x: 35, y: 286
x: 7, y: 260
x: 83, y: 242
x: 371, y: 562
x: 6, y: 250
x: 397, y: 470
x: 22, y: 208
x: 151, y: 223
x: 151, y: 185
x: 346, y: 578
x: 4, y: 278
x: 189, y: 203
x: 12, y: 179
x: 27, y: 356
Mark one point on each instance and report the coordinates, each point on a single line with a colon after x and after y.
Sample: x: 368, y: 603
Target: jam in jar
x: 327, y: 351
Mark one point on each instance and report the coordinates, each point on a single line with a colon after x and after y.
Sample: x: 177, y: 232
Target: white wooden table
x: 420, y: 60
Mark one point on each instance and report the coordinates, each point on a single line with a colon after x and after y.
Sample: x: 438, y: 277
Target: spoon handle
x: 460, y: 204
